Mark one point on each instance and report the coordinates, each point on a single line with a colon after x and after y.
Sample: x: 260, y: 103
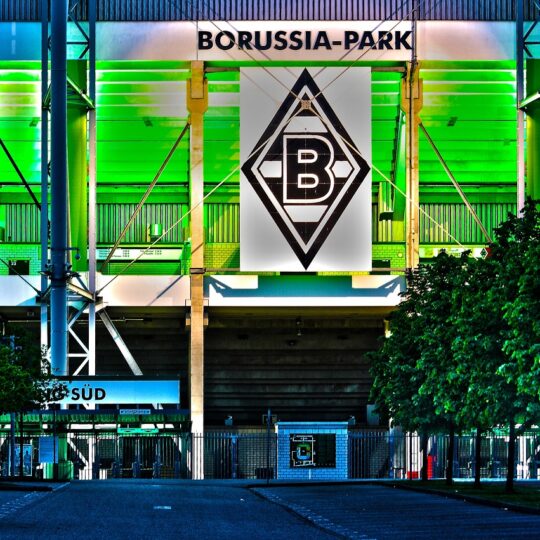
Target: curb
x: 428, y: 491
x: 22, y: 486
x: 461, y: 497
x: 317, y: 483
x: 303, y: 513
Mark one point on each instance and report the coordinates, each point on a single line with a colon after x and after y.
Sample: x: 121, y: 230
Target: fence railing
x: 253, y: 455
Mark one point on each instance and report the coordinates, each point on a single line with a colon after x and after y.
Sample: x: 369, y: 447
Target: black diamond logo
x: 305, y: 168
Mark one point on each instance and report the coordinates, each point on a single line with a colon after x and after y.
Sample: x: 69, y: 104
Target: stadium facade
x: 209, y: 206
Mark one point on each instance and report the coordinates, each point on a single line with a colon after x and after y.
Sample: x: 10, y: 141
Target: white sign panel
x: 111, y: 392
x: 289, y: 40
x: 308, y: 40
x: 135, y: 411
x: 130, y: 254
x: 305, y: 188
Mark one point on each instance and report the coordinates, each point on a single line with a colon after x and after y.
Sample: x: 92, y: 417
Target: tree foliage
x: 464, y: 348
x: 517, y: 254
x: 25, y: 380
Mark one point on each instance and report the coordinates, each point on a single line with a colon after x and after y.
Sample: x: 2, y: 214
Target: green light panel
x: 385, y: 88
x: 469, y: 110
x: 141, y: 110
x: 222, y: 129
x: 20, y: 121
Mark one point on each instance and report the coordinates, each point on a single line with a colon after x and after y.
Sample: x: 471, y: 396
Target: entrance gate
x: 104, y: 455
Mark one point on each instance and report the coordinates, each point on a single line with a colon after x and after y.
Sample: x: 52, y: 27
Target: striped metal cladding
x: 22, y: 223
x: 222, y: 222
x: 279, y: 10
x: 20, y: 10
x: 144, y: 268
x: 111, y: 218
x: 458, y: 221
x: 381, y: 229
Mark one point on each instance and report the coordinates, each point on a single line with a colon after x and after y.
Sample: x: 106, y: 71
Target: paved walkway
x: 379, y: 512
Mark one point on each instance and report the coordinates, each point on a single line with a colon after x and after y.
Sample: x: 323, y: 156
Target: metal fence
x: 398, y: 455
x: 225, y: 455
x: 106, y: 455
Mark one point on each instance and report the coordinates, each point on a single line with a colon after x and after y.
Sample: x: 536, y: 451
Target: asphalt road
x: 150, y: 509
x: 385, y: 513
x: 227, y: 510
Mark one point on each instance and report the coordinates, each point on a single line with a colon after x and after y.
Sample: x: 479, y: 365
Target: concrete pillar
x: 533, y: 130
x: 197, y: 103
x: 77, y: 169
x: 411, y: 104
x: 400, y: 203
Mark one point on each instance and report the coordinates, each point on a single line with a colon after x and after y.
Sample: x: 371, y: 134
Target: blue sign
x: 117, y: 392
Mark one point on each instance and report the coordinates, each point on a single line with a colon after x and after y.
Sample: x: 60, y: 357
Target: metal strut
x: 20, y: 174
x: 146, y: 195
x: 456, y: 185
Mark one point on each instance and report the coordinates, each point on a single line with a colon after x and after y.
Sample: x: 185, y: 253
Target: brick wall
x: 217, y: 256
x: 222, y: 255
x: 394, y: 252
x: 29, y: 252
x: 284, y: 469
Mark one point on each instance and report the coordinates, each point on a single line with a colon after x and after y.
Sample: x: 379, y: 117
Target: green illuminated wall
x: 469, y: 110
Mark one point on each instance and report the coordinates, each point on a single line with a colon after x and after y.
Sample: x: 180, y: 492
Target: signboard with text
x: 112, y: 392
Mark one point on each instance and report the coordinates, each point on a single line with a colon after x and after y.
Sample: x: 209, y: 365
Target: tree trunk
x: 424, y: 442
x: 511, y: 458
x: 477, y: 457
x: 21, y: 445
x: 450, y: 458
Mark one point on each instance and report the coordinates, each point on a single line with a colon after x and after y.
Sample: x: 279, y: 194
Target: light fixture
x: 299, y: 326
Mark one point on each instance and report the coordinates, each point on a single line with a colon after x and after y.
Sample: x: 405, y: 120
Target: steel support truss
x: 82, y: 295
x: 79, y: 293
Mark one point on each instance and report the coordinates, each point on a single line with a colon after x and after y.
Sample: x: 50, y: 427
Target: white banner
x: 288, y: 40
x: 305, y: 188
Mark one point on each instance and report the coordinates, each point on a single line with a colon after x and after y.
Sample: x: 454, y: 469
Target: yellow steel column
x: 197, y: 103
x: 411, y: 104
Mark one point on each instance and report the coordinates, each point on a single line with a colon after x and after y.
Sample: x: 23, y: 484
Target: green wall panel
x: 469, y: 112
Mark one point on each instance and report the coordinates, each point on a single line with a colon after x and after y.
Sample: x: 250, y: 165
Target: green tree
x: 443, y: 383
x: 410, y: 369
x: 519, y: 255
x: 478, y: 328
x: 515, y: 258
x: 25, y: 380
x: 464, y: 349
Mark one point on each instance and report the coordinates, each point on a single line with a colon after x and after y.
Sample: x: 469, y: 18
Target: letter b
x: 205, y: 40
x: 307, y: 165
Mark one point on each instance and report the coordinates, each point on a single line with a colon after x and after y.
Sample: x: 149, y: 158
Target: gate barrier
x: 253, y: 455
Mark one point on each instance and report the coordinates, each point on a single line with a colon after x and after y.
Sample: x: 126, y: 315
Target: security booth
x: 312, y: 450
